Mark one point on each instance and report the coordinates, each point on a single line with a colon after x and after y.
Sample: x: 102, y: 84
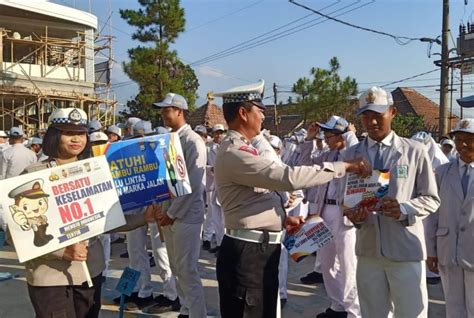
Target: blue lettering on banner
x: 127, y: 281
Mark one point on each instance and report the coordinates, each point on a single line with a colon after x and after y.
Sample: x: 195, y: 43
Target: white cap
x: 143, y: 127
x: 218, y: 127
x: 173, y: 100
x: 447, y: 142
x: 98, y: 136
x: 375, y: 99
x: 335, y: 124
x: 275, y: 142
x: 3, y: 134
x: 131, y: 121
x: 35, y: 141
x: 464, y: 125
x: 94, y: 125
x: 112, y: 129
x: 161, y: 130
x: 201, y: 129
x: 16, y: 132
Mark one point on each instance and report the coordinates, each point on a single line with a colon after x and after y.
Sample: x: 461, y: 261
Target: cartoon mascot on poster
x: 29, y: 210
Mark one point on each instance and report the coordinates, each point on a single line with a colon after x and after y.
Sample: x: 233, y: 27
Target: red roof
x: 409, y: 100
x: 208, y: 115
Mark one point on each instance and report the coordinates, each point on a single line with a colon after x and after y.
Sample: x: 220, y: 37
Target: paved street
x: 304, y: 301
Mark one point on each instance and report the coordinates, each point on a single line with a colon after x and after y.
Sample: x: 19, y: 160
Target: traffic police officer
x: 247, y: 265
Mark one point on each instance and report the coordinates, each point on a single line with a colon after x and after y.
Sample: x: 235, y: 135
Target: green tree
x: 407, y: 125
x: 325, y: 93
x: 154, y: 65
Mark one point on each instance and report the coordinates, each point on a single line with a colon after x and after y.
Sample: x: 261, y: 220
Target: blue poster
x: 146, y: 170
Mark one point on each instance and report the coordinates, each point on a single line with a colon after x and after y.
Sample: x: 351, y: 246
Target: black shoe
x: 139, y: 303
x: 124, y: 255
x: 329, y: 313
x: 126, y: 298
x: 162, y: 305
x: 206, y: 245
x: 152, y: 262
x: 118, y: 241
x: 215, y: 249
x: 433, y: 280
x: 312, y: 278
x: 183, y: 316
x: 283, y: 303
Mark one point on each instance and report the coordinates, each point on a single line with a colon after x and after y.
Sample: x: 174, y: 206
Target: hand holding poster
x: 54, y: 208
x: 147, y: 170
x: 365, y: 192
x: 312, y: 235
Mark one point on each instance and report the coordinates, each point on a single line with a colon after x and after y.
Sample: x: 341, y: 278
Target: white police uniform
x: 16, y: 158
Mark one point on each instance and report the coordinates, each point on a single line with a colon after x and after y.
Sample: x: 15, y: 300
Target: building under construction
x: 51, y: 56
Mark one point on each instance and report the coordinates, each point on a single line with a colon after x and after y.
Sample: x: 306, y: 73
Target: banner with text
x: 147, y: 170
x: 50, y: 209
x: 311, y: 236
x: 365, y: 192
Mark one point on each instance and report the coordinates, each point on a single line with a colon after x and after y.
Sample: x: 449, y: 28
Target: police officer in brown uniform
x: 247, y: 265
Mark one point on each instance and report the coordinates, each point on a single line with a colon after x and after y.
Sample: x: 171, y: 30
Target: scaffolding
x: 39, y: 73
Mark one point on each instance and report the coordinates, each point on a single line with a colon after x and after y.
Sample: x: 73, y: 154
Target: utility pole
x: 443, y: 98
x: 275, y: 112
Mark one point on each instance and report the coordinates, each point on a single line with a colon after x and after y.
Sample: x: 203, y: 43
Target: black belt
x: 331, y: 202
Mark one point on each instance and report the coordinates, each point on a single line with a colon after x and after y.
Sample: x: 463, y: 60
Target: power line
x: 409, y: 78
x: 398, y: 39
x: 224, y: 16
x: 274, y: 37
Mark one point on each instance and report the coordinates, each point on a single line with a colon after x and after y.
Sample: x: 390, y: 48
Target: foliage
x: 325, y: 93
x: 154, y: 66
x: 408, y: 124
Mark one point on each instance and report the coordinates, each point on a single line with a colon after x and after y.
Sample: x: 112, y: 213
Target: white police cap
x: 35, y: 141
x: 464, y: 125
x: 161, y: 130
x: 248, y: 93
x: 131, y: 121
x: 375, y: 99
x: 72, y: 119
x: 32, y: 189
x: 3, y: 134
x: 173, y: 100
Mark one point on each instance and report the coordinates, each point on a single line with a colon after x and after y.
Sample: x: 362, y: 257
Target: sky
x: 260, y: 29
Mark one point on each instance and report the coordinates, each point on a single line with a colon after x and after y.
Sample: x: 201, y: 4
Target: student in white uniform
x: 451, y: 232
x: 390, y: 244
x: 214, y: 215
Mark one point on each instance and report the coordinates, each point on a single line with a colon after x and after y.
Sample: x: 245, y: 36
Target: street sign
x: 127, y: 281
x: 467, y: 68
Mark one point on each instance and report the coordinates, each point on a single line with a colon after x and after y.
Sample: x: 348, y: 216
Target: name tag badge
x: 402, y: 171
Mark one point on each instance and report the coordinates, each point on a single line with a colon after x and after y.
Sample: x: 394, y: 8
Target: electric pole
x: 443, y: 98
x: 275, y: 112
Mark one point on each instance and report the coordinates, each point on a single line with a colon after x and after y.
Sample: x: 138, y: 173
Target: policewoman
x: 247, y: 265
x: 56, y: 282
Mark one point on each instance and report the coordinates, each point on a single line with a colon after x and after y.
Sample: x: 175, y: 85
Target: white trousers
x: 283, y: 273
x: 215, y: 217
x: 458, y: 288
x: 338, y: 263
x: 383, y: 283
x: 139, y: 260
x: 183, y: 245
x: 105, y: 240
x: 207, y: 228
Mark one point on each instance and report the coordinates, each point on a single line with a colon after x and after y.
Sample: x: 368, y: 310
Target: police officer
x: 247, y: 265
x: 16, y: 158
x: 3, y: 141
x: 114, y: 133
